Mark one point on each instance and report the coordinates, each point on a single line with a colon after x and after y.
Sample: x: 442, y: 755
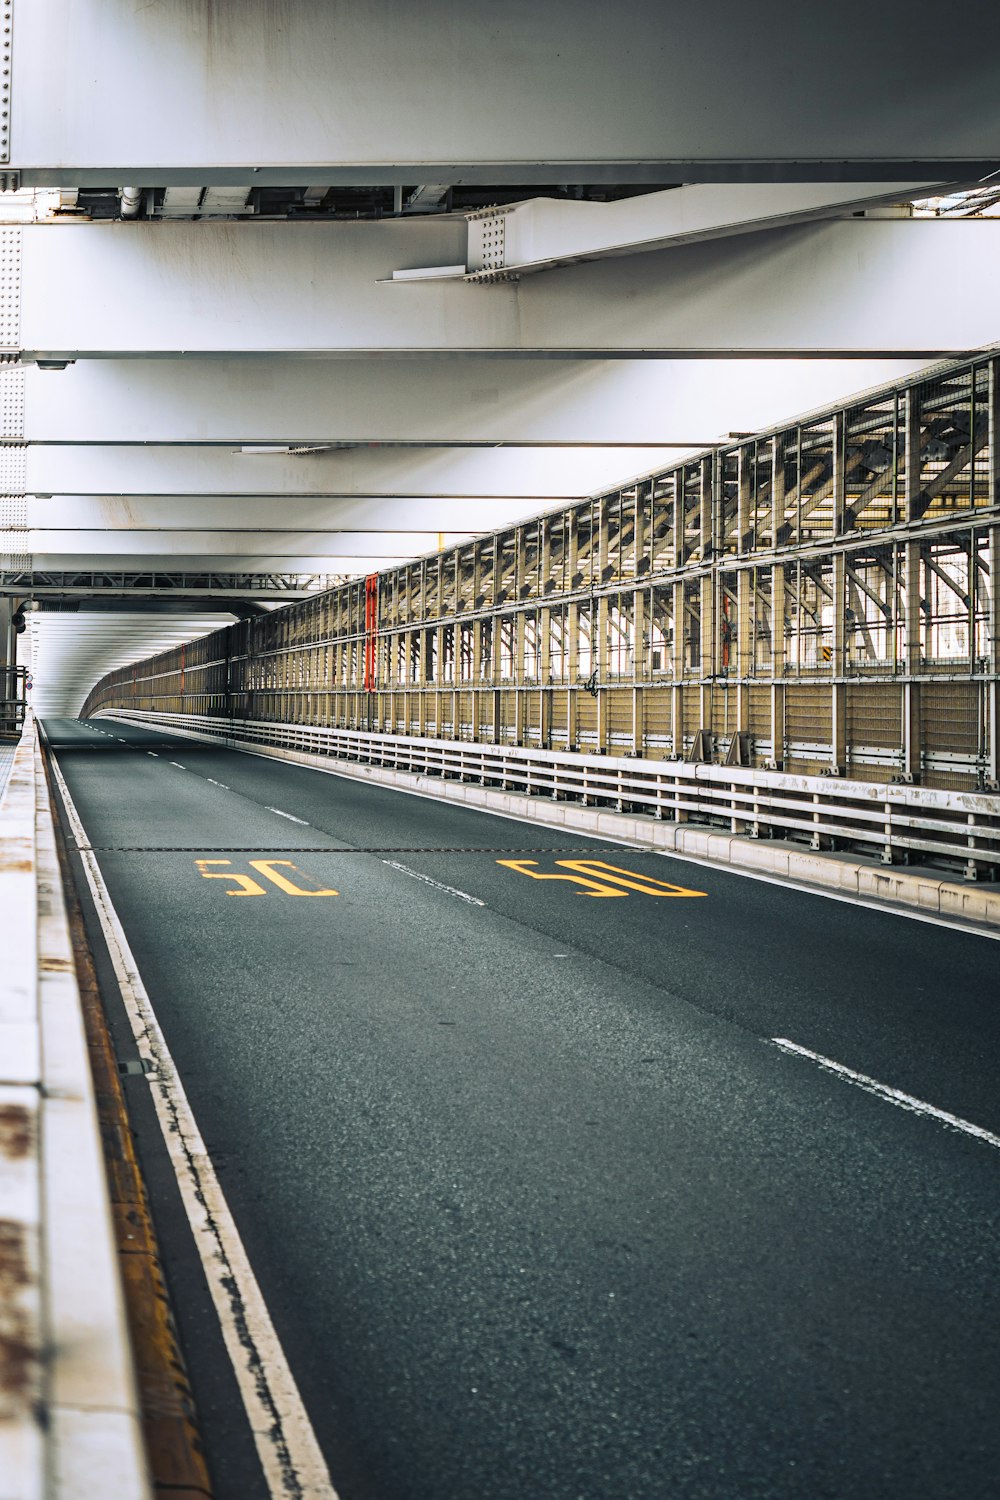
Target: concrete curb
x: 69, y: 1420
x: 870, y: 882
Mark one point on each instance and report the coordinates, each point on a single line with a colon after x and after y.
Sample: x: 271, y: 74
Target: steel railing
x: 897, y: 823
x: 13, y: 699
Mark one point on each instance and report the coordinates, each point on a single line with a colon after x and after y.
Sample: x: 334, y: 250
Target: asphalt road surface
x: 538, y: 1206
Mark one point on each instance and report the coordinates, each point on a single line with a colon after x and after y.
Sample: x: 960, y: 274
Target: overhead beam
x: 212, y: 555
x: 67, y: 585
x: 475, y: 401
x: 265, y: 514
x: 520, y: 238
x: 564, y: 91
x: 854, y: 287
x: 523, y: 476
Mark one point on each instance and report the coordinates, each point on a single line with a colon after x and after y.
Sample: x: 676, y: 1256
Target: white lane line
x: 153, y: 753
x: 177, y: 764
x: 890, y: 1095
x: 290, y: 816
x: 294, y: 1467
x: 450, y: 889
x: 220, y: 784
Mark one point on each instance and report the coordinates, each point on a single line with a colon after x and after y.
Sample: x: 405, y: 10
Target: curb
x: 69, y: 1420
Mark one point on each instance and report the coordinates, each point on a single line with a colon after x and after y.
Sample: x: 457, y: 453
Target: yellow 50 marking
x: 595, y: 878
x: 245, y: 885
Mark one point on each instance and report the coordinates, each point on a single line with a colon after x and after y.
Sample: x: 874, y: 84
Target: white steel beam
x: 225, y: 555
x: 436, y: 401
x: 526, y: 477
x: 273, y: 551
x: 449, y: 90
x: 192, y: 533
x: 848, y: 287
x: 543, y: 233
x: 420, y: 516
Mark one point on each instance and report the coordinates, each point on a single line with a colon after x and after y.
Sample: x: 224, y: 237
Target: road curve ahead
x: 540, y: 1209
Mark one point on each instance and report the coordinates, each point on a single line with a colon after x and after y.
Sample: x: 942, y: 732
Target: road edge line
x: 293, y: 1465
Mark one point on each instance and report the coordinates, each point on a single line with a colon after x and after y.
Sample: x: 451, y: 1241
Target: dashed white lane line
x: 890, y: 1095
x: 290, y: 1456
x: 449, y: 889
x: 290, y: 816
x: 153, y: 754
x: 220, y: 784
x: 177, y: 764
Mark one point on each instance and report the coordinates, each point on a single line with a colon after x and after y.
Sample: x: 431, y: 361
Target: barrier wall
x: 819, y: 599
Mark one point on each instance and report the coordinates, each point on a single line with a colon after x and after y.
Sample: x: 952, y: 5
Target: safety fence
x: 13, y: 699
x: 819, y: 598
x: 899, y: 824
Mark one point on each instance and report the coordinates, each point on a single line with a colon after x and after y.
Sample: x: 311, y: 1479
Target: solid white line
x: 294, y: 1467
x: 450, y: 889
x: 290, y: 816
x: 890, y: 1095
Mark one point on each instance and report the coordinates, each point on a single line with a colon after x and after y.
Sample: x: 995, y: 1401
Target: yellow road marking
x: 247, y: 885
x: 266, y: 867
x: 591, y: 887
x: 599, y: 879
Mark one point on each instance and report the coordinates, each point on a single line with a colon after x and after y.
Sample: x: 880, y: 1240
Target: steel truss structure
x: 818, y: 599
x: 91, y: 583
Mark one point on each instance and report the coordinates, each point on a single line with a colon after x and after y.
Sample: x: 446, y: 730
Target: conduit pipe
x: 131, y: 200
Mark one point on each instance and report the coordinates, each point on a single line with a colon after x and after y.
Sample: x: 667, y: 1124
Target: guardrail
x: 69, y: 1420
x: 13, y: 699
x: 898, y: 824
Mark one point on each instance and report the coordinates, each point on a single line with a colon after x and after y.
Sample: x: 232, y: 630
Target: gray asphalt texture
x: 537, y: 1207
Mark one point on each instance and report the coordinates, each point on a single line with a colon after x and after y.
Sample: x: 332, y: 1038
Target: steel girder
x: 561, y: 91
x: 267, y: 513
x: 517, y: 239
x: 528, y: 477
x: 846, y: 287
x: 255, y: 400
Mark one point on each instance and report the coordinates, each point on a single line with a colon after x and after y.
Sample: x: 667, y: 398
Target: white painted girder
x: 221, y: 560
x: 845, y: 287
x: 526, y: 477
x: 472, y: 400
x: 195, y: 533
x: 239, y: 91
x: 197, y: 543
x: 413, y: 517
x: 542, y: 233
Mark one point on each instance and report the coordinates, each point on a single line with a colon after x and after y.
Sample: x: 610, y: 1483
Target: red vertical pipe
x: 371, y: 632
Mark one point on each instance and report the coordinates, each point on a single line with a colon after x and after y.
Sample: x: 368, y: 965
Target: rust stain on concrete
x: 19, y: 1354
x: 17, y: 1131
x: 56, y: 965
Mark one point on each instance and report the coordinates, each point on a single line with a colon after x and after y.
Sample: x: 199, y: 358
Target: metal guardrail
x: 899, y: 824
x: 13, y: 699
